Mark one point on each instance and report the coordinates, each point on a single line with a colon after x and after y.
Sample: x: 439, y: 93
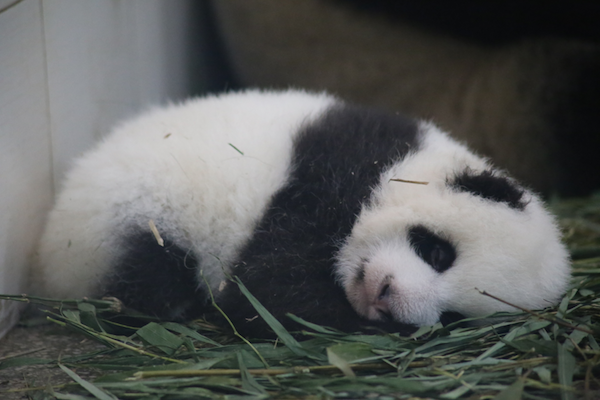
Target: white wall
x: 69, y: 69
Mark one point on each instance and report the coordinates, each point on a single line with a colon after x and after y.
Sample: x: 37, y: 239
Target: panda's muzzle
x: 382, y: 303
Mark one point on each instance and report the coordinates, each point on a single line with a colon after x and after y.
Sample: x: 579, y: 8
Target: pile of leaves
x: 548, y: 354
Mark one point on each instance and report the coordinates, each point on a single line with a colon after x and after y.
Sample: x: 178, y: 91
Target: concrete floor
x: 48, y: 341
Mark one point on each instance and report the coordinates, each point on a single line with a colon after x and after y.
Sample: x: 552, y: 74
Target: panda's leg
x: 157, y: 280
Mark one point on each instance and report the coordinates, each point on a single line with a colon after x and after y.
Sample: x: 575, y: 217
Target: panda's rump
x: 156, y: 278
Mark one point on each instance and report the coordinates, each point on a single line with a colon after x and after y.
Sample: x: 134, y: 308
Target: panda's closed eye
x: 434, y: 250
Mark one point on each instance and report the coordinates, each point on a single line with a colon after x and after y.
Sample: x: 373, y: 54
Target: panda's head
x: 418, y: 250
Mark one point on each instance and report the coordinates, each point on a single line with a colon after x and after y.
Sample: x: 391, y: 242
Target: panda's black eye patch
x: 489, y: 186
x: 360, y: 274
x: 434, y: 250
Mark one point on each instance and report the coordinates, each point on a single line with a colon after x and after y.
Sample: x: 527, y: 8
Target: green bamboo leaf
x: 476, y: 363
x: 315, y: 327
x: 155, y: 335
x: 248, y: 381
x: 88, y: 316
x: 84, y: 306
x: 513, y: 392
x: 543, y: 347
x: 566, y: 370
x: 339, y: 362
x: 563, y: 306
x: 422, y: 331
x: 390, y: 384
x: 279, y: 330
x: 456, y: 393
x: 405, y: 362
x: 352, y: 352
x: 69, y: 396
x: 576, y: 336
x: 593, y: 343
x: 383, y: 342
x: 90, y: 387
x: 184, y: 330
x: 72, y: 315
x: 544, y: 373
x: 528, y: 327
x: 21, y: 361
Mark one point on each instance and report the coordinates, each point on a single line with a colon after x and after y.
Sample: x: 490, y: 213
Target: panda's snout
x: 382, y: 303
x: 372, y: 295
x: 393, y: 283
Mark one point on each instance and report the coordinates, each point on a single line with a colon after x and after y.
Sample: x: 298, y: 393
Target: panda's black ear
x: 488, y: 185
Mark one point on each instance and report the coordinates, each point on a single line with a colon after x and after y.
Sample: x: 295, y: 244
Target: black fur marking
x: 360, y: 275
x: 155, y: 280
x: 489, y: 186
x: 386, y: 316
x: 385, y: 292
x: 449, y: 317
x: 434, y: 250
x: 288, y: 262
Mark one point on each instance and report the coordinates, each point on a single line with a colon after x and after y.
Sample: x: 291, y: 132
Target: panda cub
x: 345, y: 216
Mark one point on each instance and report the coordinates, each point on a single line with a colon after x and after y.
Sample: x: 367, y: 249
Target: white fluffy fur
x: 515, y: 255
x: 176, y: 166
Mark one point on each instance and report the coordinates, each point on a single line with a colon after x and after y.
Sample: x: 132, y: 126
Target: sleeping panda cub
x: 346, y: 216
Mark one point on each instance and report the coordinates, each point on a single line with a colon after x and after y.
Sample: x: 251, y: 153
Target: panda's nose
x: 382, y: 303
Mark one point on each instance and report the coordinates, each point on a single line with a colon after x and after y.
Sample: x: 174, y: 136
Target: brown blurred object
x: 530, y: 103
